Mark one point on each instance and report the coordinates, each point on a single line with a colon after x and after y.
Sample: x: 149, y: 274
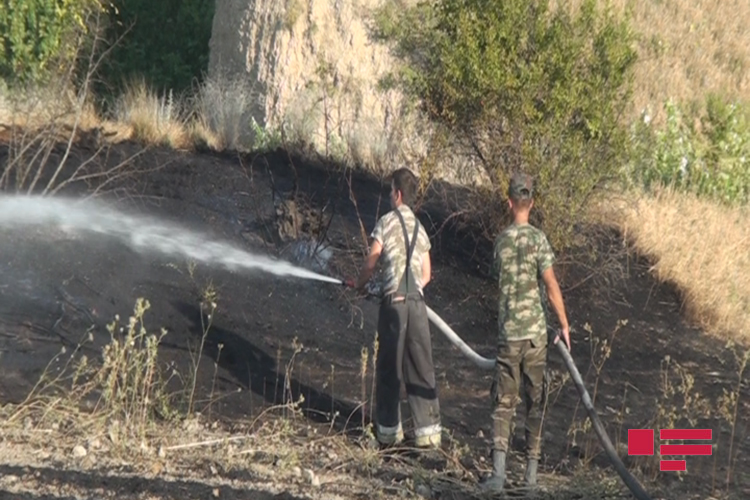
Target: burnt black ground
x: 45, y: 274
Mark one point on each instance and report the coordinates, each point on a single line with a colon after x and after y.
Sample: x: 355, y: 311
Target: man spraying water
x: 404, y: 344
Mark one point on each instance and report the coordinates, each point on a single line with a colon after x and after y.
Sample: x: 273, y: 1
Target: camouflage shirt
x: 389, y: 233
x: 521, y: 254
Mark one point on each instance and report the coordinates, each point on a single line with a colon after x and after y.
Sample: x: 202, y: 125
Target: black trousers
x: 405, y: 354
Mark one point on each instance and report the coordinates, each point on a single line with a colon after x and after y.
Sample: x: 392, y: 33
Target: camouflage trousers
x: 518, y: 361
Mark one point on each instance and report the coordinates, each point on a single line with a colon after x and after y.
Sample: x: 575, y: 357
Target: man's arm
x: 368, y: 267
x: 426, y: 269
x: 555, y: 297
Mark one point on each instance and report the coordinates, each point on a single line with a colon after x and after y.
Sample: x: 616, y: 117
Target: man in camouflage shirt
x: 404, y: 343
x: 523, y: 266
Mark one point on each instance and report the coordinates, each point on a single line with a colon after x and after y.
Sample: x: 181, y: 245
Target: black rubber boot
x: 496, y: 481
x: 530, y: 477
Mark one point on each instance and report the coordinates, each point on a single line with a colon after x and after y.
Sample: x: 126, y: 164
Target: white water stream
x: 142, y: 234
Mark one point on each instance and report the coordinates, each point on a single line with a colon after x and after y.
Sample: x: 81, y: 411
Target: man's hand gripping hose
x: 488, y: 364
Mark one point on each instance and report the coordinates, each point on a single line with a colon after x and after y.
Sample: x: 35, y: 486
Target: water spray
x: 142, y: 234
x: 489, y: 364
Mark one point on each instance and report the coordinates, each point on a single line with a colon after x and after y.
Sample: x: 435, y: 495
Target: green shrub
x: 41, y: 36
x: 705, y: 152
x: 165, y: 42
x: 519, y: 86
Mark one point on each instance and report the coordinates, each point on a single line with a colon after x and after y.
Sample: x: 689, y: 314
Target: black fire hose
x: 630, y: 481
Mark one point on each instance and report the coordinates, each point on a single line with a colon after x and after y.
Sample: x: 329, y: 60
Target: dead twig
x: 206, y: 443
x: 353, y: 199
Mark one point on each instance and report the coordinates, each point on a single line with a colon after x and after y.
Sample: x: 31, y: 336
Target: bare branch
x: 353, y: 199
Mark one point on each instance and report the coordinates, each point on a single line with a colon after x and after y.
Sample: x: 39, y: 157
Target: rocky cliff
x: 318, y: 72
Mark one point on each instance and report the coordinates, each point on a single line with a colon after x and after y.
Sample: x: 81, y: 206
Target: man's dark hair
x: 406, y: 182
x: 522, y: 203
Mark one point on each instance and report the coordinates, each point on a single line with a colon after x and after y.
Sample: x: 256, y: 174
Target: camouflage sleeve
x: 545, y: 256
x: 425, y: 243
x: 378, y: 232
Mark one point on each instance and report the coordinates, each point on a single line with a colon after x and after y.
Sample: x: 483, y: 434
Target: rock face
x: 318, y: 71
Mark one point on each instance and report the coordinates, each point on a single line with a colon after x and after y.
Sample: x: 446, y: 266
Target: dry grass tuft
x: 224, y: 106
x: 152, y: 119
x: 35, y: 108
x: 117, y: 395
x: 698, y: 245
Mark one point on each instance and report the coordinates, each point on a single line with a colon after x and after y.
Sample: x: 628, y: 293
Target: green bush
x: 165, y: 42
x: 520, y: 86
x: 705, y: 152
x: 39, y: 37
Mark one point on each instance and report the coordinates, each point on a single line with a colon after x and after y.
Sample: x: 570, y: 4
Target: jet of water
x: 143, y: 234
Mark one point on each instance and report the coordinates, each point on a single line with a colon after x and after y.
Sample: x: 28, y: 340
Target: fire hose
x: 488, y: 364
x: 630, y: 481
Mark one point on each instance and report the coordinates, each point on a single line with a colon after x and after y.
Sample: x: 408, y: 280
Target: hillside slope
x: 258, y: 317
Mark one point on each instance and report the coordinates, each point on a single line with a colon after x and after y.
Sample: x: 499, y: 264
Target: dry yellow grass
x: 701, y: 247
x: 152, y: 119
x: 41, y: 108
x: 687, y: 48
x: 201, y: 135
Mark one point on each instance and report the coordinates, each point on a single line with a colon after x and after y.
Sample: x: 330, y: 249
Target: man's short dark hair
x: 522, y: 203
x: 405, y: 181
